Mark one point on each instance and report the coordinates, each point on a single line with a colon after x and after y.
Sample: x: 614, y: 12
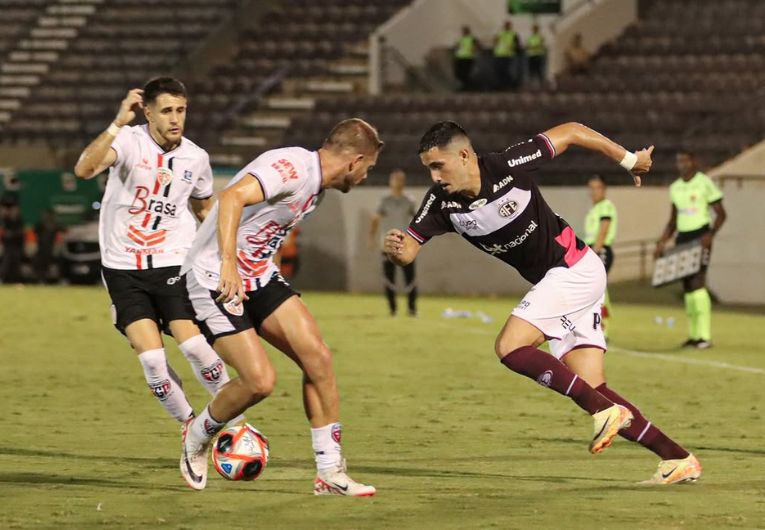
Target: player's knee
x: 506, y: 344
x: 261, y: 384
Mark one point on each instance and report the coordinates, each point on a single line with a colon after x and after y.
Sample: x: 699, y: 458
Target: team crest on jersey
x: 164, y: 175
x: 234, y: 307
x: 187, y: 176
x: 508, y: 209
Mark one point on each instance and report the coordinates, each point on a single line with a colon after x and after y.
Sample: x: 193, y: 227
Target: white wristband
x: 113, y: 129
x: 629, y: 160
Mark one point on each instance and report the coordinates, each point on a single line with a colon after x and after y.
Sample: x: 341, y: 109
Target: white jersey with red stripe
x: 145, y: 218
x: 291, y: 182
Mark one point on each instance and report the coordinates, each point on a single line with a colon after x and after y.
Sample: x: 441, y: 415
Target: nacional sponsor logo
x: 450, y: 204
x: 213, y: 372
x: 468, y: 224
x: 164, y: 175
x: 501, y: 248
x: 337, y: 432
x: 478, y: 204
x: 426, y: 208
x: 502, y: 183
x: 187, y: 176
x: 524, y: 159
x: 161, y: 390
x: 508, y: 209
x: 546, y: 378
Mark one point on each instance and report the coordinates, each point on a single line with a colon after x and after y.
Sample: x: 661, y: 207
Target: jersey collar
x: 145, y: 129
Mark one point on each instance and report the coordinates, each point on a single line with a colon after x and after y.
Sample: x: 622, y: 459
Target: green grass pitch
x: 450, y: 437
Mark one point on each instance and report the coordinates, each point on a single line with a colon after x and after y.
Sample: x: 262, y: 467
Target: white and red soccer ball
x: 240, y: 453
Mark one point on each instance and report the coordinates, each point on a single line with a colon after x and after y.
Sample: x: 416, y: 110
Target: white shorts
x: 566, y: 305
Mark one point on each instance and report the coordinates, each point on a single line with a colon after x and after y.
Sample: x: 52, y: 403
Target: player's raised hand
x: 643, y: 164
x: 132, y: 103
x: 230, y: 284
x: 393, y: 243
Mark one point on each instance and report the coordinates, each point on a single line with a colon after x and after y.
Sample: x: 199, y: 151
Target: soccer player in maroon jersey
x: 492, y: 200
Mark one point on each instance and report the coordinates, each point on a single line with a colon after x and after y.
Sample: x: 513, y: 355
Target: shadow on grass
x: 150, y: 462
x: 36, y: 479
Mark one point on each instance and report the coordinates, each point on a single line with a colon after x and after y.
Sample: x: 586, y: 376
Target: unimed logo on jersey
x: 524, y: 159
x: 426, y: 208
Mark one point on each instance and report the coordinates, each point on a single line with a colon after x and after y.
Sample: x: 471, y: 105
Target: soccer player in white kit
x: 145, y: 231
x: 239, y: 295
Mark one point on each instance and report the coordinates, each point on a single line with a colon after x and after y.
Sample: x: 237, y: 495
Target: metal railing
x: 640, y: 250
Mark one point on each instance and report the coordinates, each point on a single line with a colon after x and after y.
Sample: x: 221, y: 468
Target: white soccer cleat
x: 337, y: 482
x: 193, y: 458
x: 608, y: 423
x: 686, y: 469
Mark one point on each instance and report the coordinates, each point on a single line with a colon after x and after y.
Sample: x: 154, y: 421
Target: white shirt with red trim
x: 291, y: 181
x: 145, y: 218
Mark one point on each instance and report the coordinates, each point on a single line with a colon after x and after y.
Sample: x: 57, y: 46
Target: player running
x: 239, y: 295
x: 145, y: 231
x: 493, y: 201
x: 599, y: 234
x: 692, y: 195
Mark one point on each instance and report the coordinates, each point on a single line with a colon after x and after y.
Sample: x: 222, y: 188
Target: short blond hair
x: 353, y: 135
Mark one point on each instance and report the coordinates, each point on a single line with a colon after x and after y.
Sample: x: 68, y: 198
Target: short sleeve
x: 203, y: 188
x: 711, y: 192
x: 530, y: 154
x: 429, y: 221
x: 607, y: 211
x: 277, y: 175
x: 125, y: 147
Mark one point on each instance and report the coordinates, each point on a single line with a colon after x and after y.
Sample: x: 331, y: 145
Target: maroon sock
x: 550, y: 372
x: 643, y: 431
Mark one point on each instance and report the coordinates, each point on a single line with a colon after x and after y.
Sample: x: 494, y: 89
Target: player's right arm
x: 400, y: 247
x: 669, y: 231
x: 568, y: 134
x: 100, y: 154
x: 231, y: 203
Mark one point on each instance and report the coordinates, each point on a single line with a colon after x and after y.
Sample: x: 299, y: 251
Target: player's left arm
x: 231, y: 203
x: 572, y: 133
x: 201, y: 207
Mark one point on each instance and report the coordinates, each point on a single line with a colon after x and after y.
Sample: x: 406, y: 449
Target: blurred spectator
x: 507, y: 49
x: 13, y: 241
x: 536, y: 51
x: 46, y: 230
x: 465, y: 53
x: 577, y: 57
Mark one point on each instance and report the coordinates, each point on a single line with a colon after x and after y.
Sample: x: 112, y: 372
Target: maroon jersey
x: 509, y: 218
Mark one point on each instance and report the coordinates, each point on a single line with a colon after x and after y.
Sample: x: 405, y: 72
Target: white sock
x: 204, y: 426
x: 326, y: 446
x: 208, y: 367
x: 165, y: 387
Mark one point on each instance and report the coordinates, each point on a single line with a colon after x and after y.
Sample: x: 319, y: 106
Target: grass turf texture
x: 450, y: 438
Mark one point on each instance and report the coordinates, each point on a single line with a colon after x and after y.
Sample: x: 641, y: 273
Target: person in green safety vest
x: 465, y: 52
x: 507, y: 49
x: 693, y: 195
x: 600, y: 233
x: 536, y: 51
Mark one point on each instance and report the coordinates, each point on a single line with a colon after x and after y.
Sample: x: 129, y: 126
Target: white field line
x: 646, y: 355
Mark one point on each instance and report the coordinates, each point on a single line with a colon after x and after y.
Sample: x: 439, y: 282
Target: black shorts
x: 606, y: 255
x: 685, y: 237
x: 156, y: 294
x: 219, y: 320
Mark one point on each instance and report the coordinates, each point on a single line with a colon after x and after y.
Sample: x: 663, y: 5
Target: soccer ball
x: 240, y: 453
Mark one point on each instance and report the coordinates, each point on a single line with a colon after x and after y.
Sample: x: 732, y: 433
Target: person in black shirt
x: 492, y: 200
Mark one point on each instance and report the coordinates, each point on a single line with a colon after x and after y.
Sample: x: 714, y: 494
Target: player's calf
x: 164, y: 384
x: 208, y: 366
